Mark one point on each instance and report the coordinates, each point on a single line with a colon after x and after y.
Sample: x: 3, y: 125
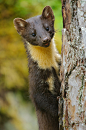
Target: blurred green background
x: 16, y: 109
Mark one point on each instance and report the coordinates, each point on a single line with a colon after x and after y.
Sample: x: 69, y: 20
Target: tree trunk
x: 73, y: 67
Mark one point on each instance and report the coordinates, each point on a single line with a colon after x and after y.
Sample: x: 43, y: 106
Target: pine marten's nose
x: 46, y: 40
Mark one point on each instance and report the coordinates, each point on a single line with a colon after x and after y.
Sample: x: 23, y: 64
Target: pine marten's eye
x: 33, y: 34
x: 47, y: 28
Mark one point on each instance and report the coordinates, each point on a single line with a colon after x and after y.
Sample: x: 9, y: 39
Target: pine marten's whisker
x: 44, y: 64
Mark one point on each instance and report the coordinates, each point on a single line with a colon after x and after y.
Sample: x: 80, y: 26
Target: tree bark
x: 72, y: 111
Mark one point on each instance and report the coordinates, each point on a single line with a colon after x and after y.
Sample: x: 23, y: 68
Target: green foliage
x: 17, y: 114
x: 15, y: 110
x: 28, y: 8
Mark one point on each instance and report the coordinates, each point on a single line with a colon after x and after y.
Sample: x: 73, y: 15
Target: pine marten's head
x: 37, y: 30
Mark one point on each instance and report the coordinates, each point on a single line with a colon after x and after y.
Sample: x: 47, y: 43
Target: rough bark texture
x: 73, y: 68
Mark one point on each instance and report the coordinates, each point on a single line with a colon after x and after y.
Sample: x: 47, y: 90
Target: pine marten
x: 44, y: 61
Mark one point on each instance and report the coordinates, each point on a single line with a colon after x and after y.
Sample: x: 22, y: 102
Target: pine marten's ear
x: 47, y: 13
x: 20, y: 25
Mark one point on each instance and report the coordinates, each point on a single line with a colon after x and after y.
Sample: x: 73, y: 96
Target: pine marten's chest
x: 43, y: 68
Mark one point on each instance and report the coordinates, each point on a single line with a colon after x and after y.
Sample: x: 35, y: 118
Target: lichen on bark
x: 73, y: 67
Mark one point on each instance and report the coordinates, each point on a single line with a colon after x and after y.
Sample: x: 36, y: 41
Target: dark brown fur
x: 39, y: 31
x: 46, y: 103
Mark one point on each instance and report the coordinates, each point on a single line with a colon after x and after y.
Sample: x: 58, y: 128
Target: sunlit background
x: 16, y: 110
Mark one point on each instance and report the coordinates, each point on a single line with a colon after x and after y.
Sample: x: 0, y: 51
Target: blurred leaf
x: 16, y: 113
x: 21, y: 114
